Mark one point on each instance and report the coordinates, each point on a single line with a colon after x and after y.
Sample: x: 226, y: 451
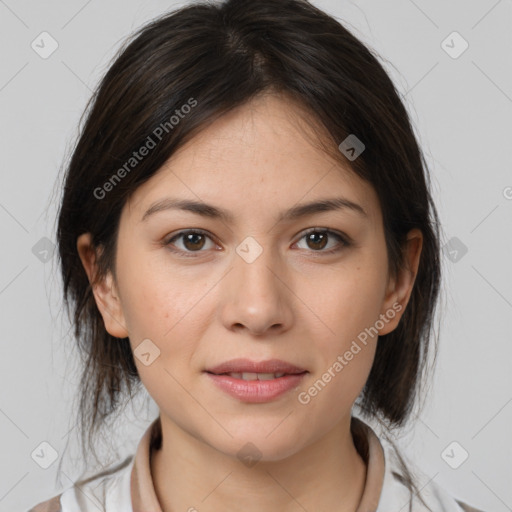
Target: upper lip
x: 249, y: 366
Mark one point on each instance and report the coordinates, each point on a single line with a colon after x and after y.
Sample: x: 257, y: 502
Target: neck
x: 327, y: 475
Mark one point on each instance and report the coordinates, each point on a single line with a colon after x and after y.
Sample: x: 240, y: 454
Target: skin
x: 295, y: 302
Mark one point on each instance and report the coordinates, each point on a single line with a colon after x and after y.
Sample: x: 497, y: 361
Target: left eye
x: 317, y: 239
x: 194, y: 241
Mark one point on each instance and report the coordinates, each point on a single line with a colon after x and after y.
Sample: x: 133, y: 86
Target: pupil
x: 321, y: 235
x: 190, y: 238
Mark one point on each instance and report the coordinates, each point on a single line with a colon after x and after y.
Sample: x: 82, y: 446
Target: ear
x: 104, y: 289
x: 400, y: 287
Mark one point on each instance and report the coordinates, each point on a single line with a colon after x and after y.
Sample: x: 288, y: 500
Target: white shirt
x: 128, y: 487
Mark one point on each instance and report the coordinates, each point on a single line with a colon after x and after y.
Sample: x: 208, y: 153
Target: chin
x: 261, y: 442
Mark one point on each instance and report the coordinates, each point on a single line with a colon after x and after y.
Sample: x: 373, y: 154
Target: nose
x: 257, y: 295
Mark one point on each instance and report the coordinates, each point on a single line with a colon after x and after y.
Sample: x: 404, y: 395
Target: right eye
x: 192, y: 240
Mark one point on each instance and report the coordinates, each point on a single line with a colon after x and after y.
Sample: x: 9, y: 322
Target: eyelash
x: 345, y: 240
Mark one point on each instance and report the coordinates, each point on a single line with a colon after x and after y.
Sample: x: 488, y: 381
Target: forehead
x: 264, y: 154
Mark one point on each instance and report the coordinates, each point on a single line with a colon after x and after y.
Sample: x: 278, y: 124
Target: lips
x: 255, y: 376
x: 240, y: 367
x: 256, y: 382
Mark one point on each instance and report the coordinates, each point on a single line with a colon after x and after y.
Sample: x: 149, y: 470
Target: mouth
x: 256, y: 382
x: 245, y: 367
x: 253, y: 376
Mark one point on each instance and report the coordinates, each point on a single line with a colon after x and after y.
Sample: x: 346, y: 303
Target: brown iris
x: 317, y: 238
x: 190, y: 241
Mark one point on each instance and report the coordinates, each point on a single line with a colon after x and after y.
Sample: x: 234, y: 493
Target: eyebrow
x: 215, y: 212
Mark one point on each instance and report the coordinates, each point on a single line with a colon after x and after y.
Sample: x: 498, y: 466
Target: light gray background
x: 461, y: 109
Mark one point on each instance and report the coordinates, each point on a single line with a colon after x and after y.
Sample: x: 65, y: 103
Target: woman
x: 247, y: 231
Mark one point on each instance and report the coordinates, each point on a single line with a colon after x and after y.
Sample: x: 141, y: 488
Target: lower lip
x: 256, y: 391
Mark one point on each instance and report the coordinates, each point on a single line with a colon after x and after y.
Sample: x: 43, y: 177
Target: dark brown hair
x: 220, y: 56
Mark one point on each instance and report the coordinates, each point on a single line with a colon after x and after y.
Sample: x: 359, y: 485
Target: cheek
x: 349, y: 303
x: 157, y: 300
x: 171, y: 311
x: 348, y: 307
x: 330, y: 394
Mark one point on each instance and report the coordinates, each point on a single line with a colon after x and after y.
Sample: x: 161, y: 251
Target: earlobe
x: 400, y: 287
x: 103, y: 288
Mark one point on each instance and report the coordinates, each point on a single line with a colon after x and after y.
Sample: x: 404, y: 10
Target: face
x: 194, y: 290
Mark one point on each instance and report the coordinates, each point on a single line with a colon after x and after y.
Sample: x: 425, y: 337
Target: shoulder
x: 468, y: 508
x: 439, y: 499
x: 107, y: 490
x: 51, y: 505
x: 432, y: 497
